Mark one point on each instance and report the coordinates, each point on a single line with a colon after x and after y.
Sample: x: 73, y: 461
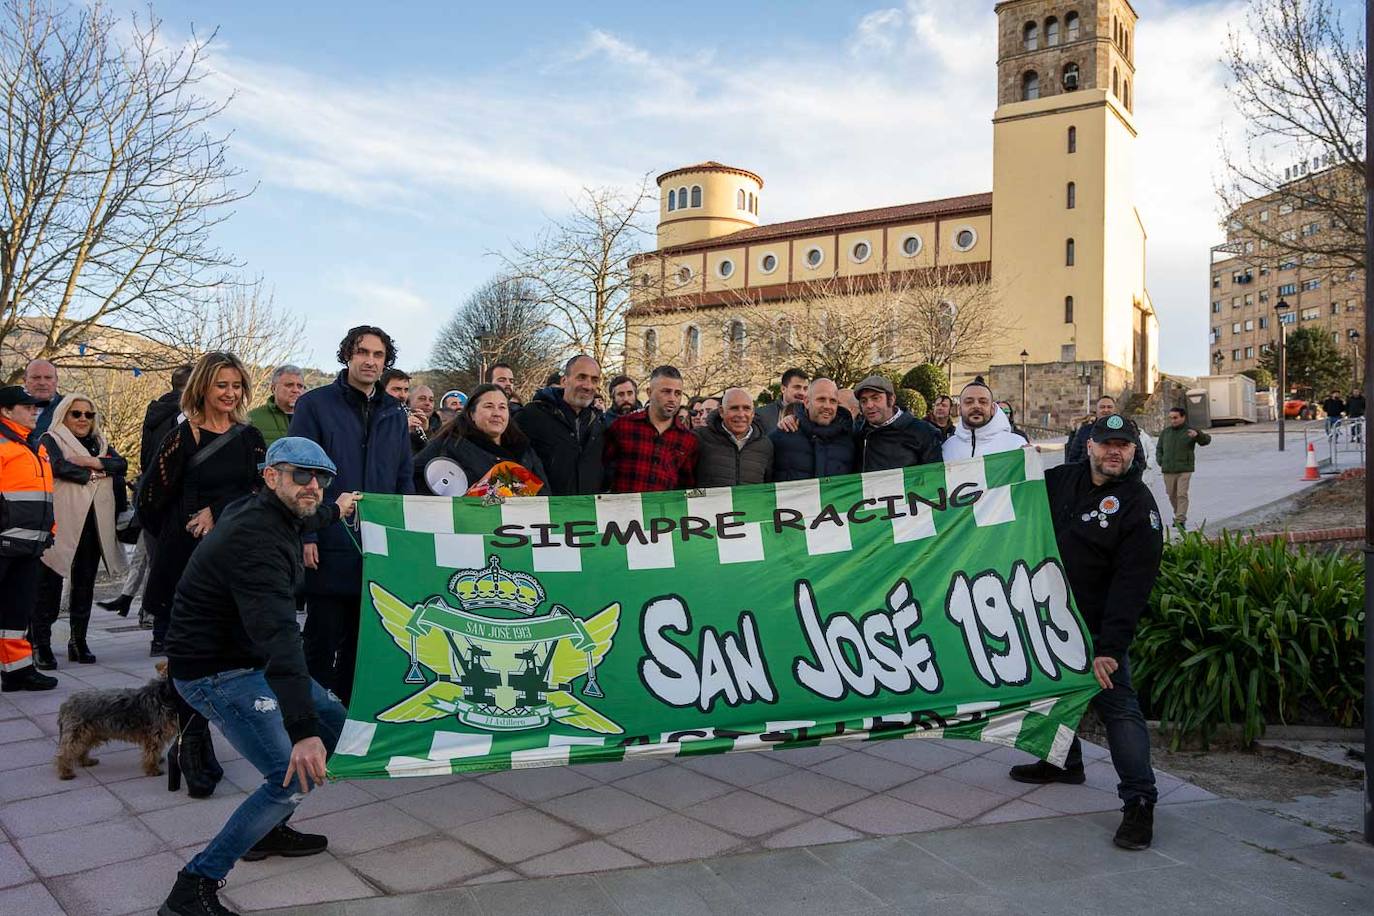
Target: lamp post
x: 1024, y: 411
x: 1355, y: 364
x: 482, y: 336
x: 1368, y: 491
x: 1280, y: 309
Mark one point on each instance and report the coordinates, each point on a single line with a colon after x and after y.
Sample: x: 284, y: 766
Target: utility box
x: 1199, y: 410
x: 1230, y: 398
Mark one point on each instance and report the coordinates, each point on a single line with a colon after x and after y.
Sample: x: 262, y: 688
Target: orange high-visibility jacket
x: 27, y: 522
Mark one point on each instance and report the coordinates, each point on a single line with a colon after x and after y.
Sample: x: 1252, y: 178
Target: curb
x: 1315, y: 536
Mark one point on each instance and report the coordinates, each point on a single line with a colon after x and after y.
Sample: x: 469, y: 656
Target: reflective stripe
x: 19, y: 496
x: 24, y: 534
x: 15, y: 654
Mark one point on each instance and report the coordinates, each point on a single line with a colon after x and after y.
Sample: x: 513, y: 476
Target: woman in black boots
x: 88, y: 478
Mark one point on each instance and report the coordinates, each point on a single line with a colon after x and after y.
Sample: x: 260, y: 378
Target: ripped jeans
x: 244, y: 708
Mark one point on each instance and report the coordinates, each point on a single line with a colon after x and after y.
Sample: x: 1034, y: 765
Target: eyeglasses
x: 301, y: 477
x: 81, y: 414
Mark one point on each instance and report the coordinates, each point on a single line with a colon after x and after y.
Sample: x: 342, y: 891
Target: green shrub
x: 1248, y: 633
x: 930, y: 380
x: 1261, y: 377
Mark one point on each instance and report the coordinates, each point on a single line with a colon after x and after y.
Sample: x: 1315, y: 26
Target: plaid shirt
x: 642, y: 460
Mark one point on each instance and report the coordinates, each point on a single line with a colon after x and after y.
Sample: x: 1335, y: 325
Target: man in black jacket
x: 1110, y: 538
x: 566, y: 431
x: 234, y: 653
x: 1077, y: 448
x: 818, y: 444
x: 889, y: 437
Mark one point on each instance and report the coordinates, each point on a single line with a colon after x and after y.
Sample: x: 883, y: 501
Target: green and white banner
x: 921, y: 602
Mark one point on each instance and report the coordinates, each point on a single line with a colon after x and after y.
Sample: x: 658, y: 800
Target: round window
x: 684, y: 274
x: 860, y: 252
x: 814, y: 257
x: 965, y: 239
x: 768, y: 263
x: 911, y: 246
x: 726, y: 268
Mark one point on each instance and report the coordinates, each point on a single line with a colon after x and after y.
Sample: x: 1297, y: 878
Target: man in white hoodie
x: 983, y: 429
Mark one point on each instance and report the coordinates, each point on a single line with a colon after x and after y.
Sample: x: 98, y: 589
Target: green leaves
x: 1247, y: 633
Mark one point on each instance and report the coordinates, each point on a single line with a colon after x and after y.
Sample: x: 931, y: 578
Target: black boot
x: 288, y: 843
x: 1040, y: 772
x: 193, y: 895
x: 77, y: 650
x: 120, y: 605
x: 43, y: 658
x: 196, y: 759
x: 1137, y: 828
x: 26, y: 678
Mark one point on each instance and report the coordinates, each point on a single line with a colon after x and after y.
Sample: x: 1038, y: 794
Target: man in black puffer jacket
x: 565, y: 431
x: 734, y: 449
x: 889, y: 437
x: 823, y: 444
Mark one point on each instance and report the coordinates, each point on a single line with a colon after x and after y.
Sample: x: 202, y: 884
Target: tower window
x: 739, y: 199
x: 696, y: 195
x: 1071, y: 27
x: 1071, y: 77
x: 751, y: 204
x: 1126, y: 94
x: 1051, y: 32
x: 691, y: 345
x: 650, y: 347
x: 1073, y: 139
x: 1068, y: 253
x: 672, y: 200
x: 1116, y: 83
x: 682, y: 198
x: 1071, y: 196
x: 1068, y: 309
x: 1030, y: 86
x: 911, y: 246
x: 1030, y: 36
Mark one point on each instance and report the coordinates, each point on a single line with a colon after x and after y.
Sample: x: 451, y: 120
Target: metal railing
x: 1344, y: 439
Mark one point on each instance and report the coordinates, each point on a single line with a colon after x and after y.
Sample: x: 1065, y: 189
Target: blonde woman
x: 88, y: 480
x: 207, y: 462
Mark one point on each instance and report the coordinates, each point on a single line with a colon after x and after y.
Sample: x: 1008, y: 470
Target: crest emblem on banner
x: 494, y: 661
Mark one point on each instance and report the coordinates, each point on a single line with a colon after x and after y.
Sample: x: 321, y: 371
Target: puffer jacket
x: 994, y: 436
x: 721, y: 463
x: 814, y: 451
x: 474, y: 457
x: 905, y: 442
x: 569, y: 447
x: 27, y: 520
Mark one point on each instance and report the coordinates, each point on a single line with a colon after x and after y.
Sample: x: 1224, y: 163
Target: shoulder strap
x: 203, y: 455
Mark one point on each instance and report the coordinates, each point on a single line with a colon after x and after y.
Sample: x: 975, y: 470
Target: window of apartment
x: 1068, y: 253
x: 1249, y: 324
x: 1288, y: 264
x: 1215, y: 336
x: 1288, y: 235
x: 1288, y: 318
x: 1235, y: 302
x: 1216, y: 280
x: 1235, y: 355
x: 1235, y: 327
x: 1249, y: 299
x: 1249, y: 352
x: 1249, y: 247
x: 1071, y: 196
x: 1264, y: 268
x: 1311, y: 229
x: 1264, y: 216
x: 1335, y: 308
x: 1264, y: 295
x: 1310, y: 314
x: 1068, y: 309
x: 1335, y: 337
x: 1263, y: 322
x: 1073, y: 139
x: 1309, y: 285
x: 1285, y: 209
x: 1352, y: 305
x: 1288, y: 289
x: 1216, y: 306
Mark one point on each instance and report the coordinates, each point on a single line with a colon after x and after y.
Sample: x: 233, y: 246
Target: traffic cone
x: 1311, y: 472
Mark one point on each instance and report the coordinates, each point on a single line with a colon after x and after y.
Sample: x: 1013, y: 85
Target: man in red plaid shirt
x: 648, y: 450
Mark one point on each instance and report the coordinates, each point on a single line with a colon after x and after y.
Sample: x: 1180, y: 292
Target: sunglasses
x: 81, y: 414
x: 301, y: 477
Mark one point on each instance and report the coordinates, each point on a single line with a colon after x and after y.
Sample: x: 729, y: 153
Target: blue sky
x: 396, y: 146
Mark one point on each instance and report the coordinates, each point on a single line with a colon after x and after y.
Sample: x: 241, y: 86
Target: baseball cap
x: 1113, y: 426
x: 301, y: 452
x: 15, y: 396
x: 877, y: 383
x: 455, y: 393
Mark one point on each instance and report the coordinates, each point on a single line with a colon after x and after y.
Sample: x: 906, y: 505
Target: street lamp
x: 1280, y: 308
x: 1217, y: 357
x: 1355, y: 365
x: 1024, y: 356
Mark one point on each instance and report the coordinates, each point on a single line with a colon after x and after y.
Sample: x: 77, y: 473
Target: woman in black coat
x: 477, y: 440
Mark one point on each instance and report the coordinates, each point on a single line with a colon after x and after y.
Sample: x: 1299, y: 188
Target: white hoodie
x: 994, y: 436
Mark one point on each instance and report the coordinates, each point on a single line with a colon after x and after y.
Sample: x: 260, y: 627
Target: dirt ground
x: 1337, y: 504
x: 1250, y: 775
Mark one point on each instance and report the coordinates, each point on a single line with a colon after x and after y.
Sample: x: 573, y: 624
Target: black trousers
x: 85, y: 564
x: 18, y: 591
x: 174, y: 549
x: 331, y: 641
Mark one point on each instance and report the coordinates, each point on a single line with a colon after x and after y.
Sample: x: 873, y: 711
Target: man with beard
x: 1077, y: 447
x: 983, y: 429
x: 566, y: 431
x: 822, y: 444
x: 624, y: 399
x: 1110, y: 537
x: 791, y: 394
x: 649, y: 450
x: 889, y: 437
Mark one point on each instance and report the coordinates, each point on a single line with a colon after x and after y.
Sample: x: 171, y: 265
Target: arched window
x: 1073, y: 139
x: 1126, y: 93
x: 672, y: 200
x: 650, y: 347
x: 739, y: 199
x: 682, y: 198
x: 691, y: 345
x: 1071, y: 27
x: 1030, y: 36
x: 751, y: 203
x: 696, y: 195
x: 1116, y: 83
x: 1051, y: 32
x: 1030, y: 86
x: 1068, y: 253
x: 1071, y: 196
x: 755, y: 206
x: 1068, y: 309
x: 1071, y: 77
x: 736, y: 341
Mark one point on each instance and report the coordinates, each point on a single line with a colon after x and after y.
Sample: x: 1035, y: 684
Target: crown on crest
x: 494, y: 587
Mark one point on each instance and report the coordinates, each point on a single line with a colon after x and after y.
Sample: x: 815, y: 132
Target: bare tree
x: 579, y: 269
x: 243, y: 318
x: 1298, y: 80
x: 113, y: 178
x: 503, y: 321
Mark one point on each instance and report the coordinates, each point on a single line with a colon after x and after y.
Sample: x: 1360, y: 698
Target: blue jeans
x: 245, y: 709
x: 1128, y: 738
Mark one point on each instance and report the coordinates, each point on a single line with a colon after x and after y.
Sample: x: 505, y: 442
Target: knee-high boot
x: 192, y: 755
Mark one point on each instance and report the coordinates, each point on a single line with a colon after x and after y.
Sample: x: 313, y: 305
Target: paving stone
x: 34, y: 781
x: 927, y: 754
x: 13, y: 869
x: 1355, y: 861
x: 386, y: 789
x: 949, y: 796
x: 1242, y: 822
x: 987, y: 774
x: 13, y: 730
x: 672, y: 838
x: 789, y: 882
x: 1186, y: 793
x: 120, y: 763
x: 241, y: 774
x: 34, y: 704
x: 300, y: 887
x: 673, y: 787
x: 602, y: 809
x: 592, y: 856
x: 538, y: 783
x: 183, y: 825
x: 1015, y: 810
x: 58, y: 812
x: 810, y: 756
x: 1073, y: 799
x: 47, y: 723
x: 495, y: 877
x: 815, y: 832
x: 876, y: 774
x: 742, y: 769
x: 610, y: 772
x: 884, y: 815
x: 91, y: 846
x: 420, y: 865
x: 30, y: 899
x: 364, y: 829
x: 270, y: 867
x: 517, y: 835
x: 746, y: 814
x: 896, y: 871
x: 123, y: 887
x: 336, y: 796
x: 28, y: 752
x: 1179, y: 889
x: 810, y: 791
x: 689, y: 889
x: 578, y: 895
x: 453, y: 805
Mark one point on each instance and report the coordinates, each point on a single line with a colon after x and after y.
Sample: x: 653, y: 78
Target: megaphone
x: 445, y: 477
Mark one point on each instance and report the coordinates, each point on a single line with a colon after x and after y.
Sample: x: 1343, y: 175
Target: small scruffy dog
x: 145, y: 716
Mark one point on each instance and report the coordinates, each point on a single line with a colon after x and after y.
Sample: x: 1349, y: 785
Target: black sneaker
x: 26, y: 678
x: 193, y: 895
x: 283, y: 841
x: 1137, y: 826
x: 1040, y: 773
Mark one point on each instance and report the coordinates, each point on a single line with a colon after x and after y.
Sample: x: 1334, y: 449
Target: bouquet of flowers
x: 505, y: 480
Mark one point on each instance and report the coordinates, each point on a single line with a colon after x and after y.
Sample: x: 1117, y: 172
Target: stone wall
x: 1055, y: 392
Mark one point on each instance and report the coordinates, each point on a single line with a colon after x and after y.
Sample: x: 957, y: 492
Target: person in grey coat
x: 734, y: 449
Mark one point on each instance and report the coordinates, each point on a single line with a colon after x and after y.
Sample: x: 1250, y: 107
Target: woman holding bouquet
x: 479, y: 439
